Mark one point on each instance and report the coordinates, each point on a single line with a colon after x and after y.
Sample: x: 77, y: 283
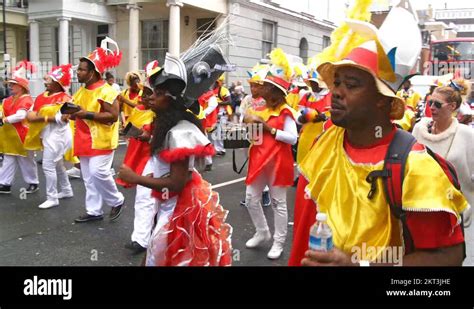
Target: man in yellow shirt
x: 410, y: 96
x: 96, y: 134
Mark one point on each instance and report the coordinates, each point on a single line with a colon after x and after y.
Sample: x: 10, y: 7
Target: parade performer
x: 50, y: 131
x: 298, y: 88
x: 190, y: 228
x: 411, y: 99
x: 13, y: 130
x: 314, y: 108
x: 255, y: 102
x: 409, y: 95
x: 130, y: 97
x: 209, y: 104
x: 139, y: 159
x: 271, y: 160
x: 96, y: 133
x: 341, y: 170
x: 224, y: 112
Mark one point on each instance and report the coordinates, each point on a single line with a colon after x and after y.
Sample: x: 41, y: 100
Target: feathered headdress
x: 280, y: 72
x: 20, y: 74
x: 388, y: 53
x: 343, y: 39
x: 301, y: 73
x: 62, y: 74
x: 104, y: 58
x: 258, y: 73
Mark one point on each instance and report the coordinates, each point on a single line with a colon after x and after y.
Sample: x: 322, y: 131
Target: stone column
x: 174, y: 26
x: 133, y: 36
x: 34, y: 41
x: 63, y: 38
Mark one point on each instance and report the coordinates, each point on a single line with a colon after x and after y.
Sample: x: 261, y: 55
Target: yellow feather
x: 278, y: 58
x: 298, y: 71
x: 343, y: 40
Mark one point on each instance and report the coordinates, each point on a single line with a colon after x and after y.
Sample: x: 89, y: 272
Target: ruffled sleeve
x: 185, y: 140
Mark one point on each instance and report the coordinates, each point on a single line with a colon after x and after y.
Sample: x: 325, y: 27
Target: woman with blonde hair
x: 448, y: 138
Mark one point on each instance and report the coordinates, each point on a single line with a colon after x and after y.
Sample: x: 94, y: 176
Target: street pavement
x: 30, y: 236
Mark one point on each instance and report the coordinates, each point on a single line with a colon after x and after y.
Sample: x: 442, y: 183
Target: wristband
x: 89, y: 116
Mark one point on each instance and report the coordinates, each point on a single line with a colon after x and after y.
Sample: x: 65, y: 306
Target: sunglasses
x: 437, y: 104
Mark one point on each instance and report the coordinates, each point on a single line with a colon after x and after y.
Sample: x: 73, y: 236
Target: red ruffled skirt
x: 196, y: 234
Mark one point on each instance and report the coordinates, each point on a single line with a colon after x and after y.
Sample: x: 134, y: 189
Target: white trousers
x: 99, y: 183
x: 54, y: 173
x: 278, y: 197
x: 216, y: 137
x: 28, y: 168
x: 208, y: 159
x: 144, y: 211
x: 158, y: 240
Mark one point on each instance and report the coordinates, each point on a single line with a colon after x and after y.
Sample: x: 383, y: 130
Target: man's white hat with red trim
x: 258, y: 73
x: 19, y: 75
x: 62, y: 75
x: 301, y: 74
x: 280, y: 72
x: 388, y: 54
x: 103, y: 58
x: 151, y: 68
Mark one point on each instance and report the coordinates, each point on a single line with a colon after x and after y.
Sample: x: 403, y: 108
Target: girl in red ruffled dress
x: 189, y: 227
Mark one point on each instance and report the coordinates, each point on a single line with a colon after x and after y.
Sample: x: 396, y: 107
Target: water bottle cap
x: 321, y: 217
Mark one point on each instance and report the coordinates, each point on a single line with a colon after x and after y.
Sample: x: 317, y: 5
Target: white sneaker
x: 48, y: 204
x: 62, y: 195
x: 275, y: 251
x: 258, y: 239
x: 74, y: 172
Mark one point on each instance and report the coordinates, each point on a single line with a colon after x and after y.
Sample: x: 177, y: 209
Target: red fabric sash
x: 11, y: 108
x: 271, y: 150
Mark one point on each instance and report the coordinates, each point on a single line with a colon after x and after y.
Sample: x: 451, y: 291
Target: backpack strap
x: 395, y: 161
x: 392, y: 175
x: 234, y: 163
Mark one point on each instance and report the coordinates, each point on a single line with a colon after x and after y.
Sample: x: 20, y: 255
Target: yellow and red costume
x: 14, y: 135
x: 132, y: 96
x: 270, y: 150
x: 311, y: 130
x: 45, y: 105
x: 138, y: 152
x: 92, y: 138
x: 432, y: 213
x: 210, y: 121
x: 411, y: 97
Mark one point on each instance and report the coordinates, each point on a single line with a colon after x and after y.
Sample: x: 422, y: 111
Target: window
x: 154, y: 40
x: 102, y: 32
x: 304, y: 50
x: 2, y: 38
x: 326, y: 41
x: 56, y: 45
x: 204, y: 26
x: 269, y: 37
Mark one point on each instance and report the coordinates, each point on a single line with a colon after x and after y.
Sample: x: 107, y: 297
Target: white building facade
x: 62, y: 31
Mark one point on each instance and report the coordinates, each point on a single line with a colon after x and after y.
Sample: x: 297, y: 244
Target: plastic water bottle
x: 320, y: 236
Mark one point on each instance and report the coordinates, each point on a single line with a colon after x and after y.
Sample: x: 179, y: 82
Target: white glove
x: 467, y: 215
